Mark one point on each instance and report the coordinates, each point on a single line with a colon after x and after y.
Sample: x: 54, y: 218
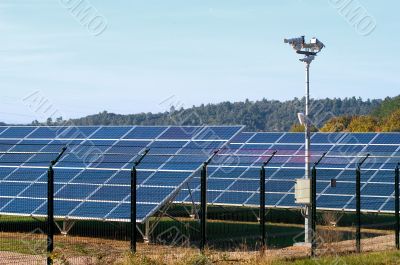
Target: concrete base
x: 302, y: 244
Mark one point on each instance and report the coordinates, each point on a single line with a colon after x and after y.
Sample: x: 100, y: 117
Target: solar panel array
x: 92, y: 179
x: 234, y: 175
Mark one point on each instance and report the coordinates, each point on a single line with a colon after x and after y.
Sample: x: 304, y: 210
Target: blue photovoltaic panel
x: 25, y: 174
x: 358, y: 138
x: 142, y: 132
x: 216, y: 133
x: 166, y: 147
x: 59, y: 132
x: 95, y: 210
x: 327, y: 138
x: 128, y: 147
x: 88, y: 176
x: 122, y: 211
x: 124, y: 177
x: 110, y: 132
x: 17, y: 132
x: 92, y: 179
x: 29, y: 145
x: 2, y: 129
x: 242, y: 137
x: 289, y: 138
x: 47, y: 132
x: 387, y: 138
x: 6, y: 145
x: 241, y: 177
x: 79, y: 132
x: 206, y: 146
x: 165, y: 178
x: 265, y: 137
x: 180, y: 133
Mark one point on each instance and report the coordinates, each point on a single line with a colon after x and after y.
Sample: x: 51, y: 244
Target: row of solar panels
x: 244, y: 190
x: 76, y: 187
x: 233, y: 176
x: 171, y: 155
x: 343, y: 150
x: 119, y: 132
x: 319, y: 138
x: 92, y: 180
x: 119, y: 153
x: 112, y: 187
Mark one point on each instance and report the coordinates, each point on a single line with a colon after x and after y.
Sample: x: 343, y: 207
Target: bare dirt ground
x: 86, y: 251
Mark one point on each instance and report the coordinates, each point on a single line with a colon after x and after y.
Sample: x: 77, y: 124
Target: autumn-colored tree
x: 392, y: 123
x: 363, y: 124
x: 297, y: 128
x: 300, y: 128
x: 337, y: 124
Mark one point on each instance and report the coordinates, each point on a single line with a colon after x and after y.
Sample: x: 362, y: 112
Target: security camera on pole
x: 309, y: 50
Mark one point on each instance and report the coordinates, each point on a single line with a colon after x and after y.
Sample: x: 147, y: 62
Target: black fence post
x: 314, y: 206
x: 133, y: 209
x: 203, y: 206
x: 262, y: 207
x: 262, y: 202
x: 313, y: 210
x: 203, y: 202
x: 133, y: 201
x: 50, y: 214
x: 396, y: 206
x: 358, y: 204
x: 358, y: 209
x: 50, y: 207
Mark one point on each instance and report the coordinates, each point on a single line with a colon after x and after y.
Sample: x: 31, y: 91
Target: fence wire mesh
x: 92, y: 208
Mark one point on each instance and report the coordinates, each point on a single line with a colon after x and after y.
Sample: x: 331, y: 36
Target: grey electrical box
x: 303, y: 191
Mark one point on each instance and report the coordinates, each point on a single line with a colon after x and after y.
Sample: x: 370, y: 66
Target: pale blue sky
x: 197, y: 51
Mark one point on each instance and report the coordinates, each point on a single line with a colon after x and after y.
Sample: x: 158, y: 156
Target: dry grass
x: 94, y: 251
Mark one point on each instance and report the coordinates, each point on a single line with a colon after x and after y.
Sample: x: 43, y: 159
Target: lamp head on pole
x: 309, y: 50
x: 302, y: 118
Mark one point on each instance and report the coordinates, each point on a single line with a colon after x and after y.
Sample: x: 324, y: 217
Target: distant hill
x: 263, y: 115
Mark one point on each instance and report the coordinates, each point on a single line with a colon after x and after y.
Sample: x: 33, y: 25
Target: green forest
x: 328, y: 115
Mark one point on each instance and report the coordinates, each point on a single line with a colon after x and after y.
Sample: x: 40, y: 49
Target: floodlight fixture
x: 317, y: 45
x: 297, y: 43
x: 302, y: 118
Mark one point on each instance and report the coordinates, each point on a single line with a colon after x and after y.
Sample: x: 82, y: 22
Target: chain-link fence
x: 67, y: 212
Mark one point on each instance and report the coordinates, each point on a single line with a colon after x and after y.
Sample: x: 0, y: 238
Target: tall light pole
x: 309, y: 50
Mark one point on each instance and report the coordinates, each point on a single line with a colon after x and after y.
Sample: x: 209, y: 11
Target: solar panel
x: 92, y: 179
x: 234, y: 179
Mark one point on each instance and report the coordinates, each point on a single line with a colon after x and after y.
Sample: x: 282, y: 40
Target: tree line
x: 262, y: 115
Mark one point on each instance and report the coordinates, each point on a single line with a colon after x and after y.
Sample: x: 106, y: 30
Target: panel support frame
x: 67, y: 225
